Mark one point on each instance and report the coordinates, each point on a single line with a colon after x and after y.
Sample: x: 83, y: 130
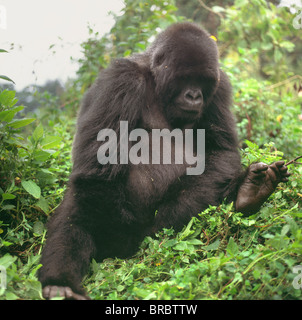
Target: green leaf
x: 277, y: 55
x: 212, y: 246
x: 6, y: 78
x: 45, y: 177
x: 20, y: 123
x: 38, y: 228
x: 7, y: 98
x: 266, y: 46
x: 195, y: 242
x: 140, y: 45
x: 287, y: 45
x: 43, y: 204
x: 232, y: 247
x: 7, y: 196
x: 32, y: 188
x: 181, y: 246
x: 50, y: 142
x: 8, y: 207
x: 6, y: 243
x: 237, y: 278
x: 292, y: 225
x: 38, y: 133
x: 8, y: 115
x: 127, y: 53
x: 187, y: 232
x: 256, y: 274
x: 251, y: 145
x: 218, y: 9
x: 170, y: 243
x: 41, y: 155
x: 7, y: 260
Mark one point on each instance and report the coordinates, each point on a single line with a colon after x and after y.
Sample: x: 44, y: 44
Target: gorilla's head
x: 184, y: 63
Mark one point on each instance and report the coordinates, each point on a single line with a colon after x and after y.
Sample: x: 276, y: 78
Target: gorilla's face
x: 184, y: 63
x: 190, y: 99
x: 186, y: 103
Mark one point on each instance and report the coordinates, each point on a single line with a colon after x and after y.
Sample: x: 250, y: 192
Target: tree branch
x: 294, y: 161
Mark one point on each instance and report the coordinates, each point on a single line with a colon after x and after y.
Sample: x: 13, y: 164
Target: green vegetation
x: 218, y: 255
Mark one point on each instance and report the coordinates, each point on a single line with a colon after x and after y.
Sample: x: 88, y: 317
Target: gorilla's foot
x: 260, y: 182
x: 50, y: 292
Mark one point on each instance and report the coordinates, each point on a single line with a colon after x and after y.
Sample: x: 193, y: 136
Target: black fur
x: 108, y: 210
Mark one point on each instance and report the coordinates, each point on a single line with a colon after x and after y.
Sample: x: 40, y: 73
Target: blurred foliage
x: 268, y: 46
x: 138, y: 22
x: 219, y: 254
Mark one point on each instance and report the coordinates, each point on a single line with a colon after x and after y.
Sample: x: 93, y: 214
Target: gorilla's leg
x: 84, y: 227
x: 68, y: 252
x: 260, y: 182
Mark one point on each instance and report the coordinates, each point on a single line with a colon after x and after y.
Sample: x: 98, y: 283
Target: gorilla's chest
x: 160, y: 157
x: 148, y: 183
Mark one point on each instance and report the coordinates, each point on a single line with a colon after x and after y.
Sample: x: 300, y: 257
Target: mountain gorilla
x: 108, y: 209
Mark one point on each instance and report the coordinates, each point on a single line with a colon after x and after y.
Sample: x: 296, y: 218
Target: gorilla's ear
x: 119, y: 94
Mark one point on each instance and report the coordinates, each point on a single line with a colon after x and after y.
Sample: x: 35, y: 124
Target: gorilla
x: 109, y: 208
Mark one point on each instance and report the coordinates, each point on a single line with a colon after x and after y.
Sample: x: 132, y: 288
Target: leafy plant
x: 261, y: 48
x: 29, y: 183
x: 3, y: 77
x: 132, y: 33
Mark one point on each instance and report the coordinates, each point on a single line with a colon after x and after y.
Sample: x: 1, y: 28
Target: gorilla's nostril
x: 193, y: 95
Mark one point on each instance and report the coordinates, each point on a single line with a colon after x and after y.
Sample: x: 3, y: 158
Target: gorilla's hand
x: 260, y: 182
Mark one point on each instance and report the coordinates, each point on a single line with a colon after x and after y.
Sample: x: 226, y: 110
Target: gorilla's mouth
x: 192, y: 109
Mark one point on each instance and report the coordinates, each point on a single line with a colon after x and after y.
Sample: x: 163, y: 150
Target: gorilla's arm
x: 248, y: 190
x: 119, y: 94
x: 193, y: 194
